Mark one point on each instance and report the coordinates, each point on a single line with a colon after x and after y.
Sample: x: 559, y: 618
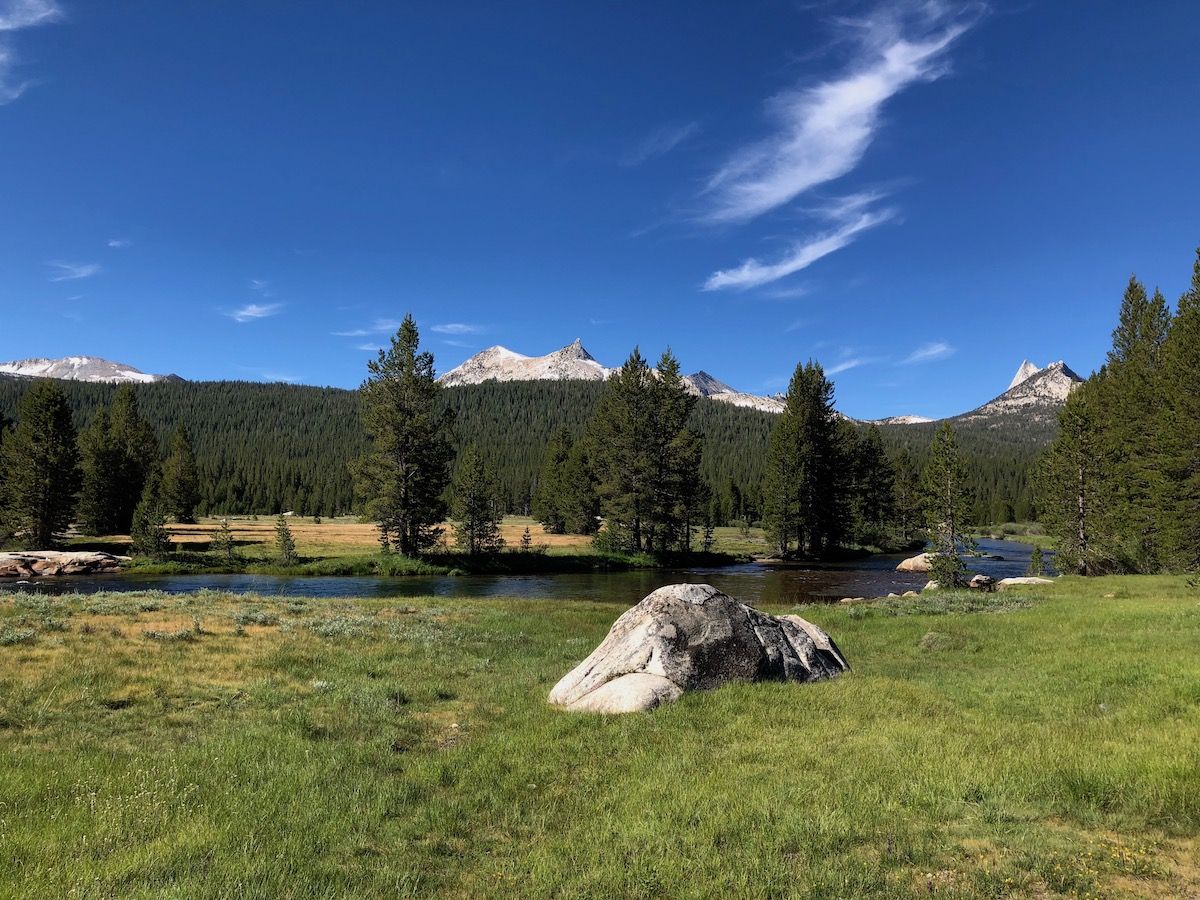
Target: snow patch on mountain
x: 80, y: 368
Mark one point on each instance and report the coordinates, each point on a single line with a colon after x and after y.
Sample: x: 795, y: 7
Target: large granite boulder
x: 43, y: 563
x: 918, y: 563
x: 687, y: 637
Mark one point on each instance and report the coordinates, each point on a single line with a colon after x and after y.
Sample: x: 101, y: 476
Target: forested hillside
x: 262, y: 448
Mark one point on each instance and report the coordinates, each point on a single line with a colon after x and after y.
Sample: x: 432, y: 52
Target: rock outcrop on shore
x: 48, y: 563
x: 686, y: 637
x: 918, y: 563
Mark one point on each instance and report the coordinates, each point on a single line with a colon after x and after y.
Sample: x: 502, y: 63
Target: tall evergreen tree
x: 180, y: 480
x: 874, y: 499
x: 622, y: 430
x: 578, y: 503
x: 1072, y: 484
x: 41, y: 466
x: 947, y: 503
x: 138, y: 449
x: 148, y: 530
x: 678, y: 488
x: 1178, y: 429
x: 101, y: 461
x: 906, y: 497
x: 645, y: 459
x: 401, y: 479
x: 1129, y: 399
x: 477, y: 509
x: 549, y: 499
x: 803, y: 498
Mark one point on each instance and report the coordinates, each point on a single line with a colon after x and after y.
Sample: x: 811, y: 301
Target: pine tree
x: 476, y: 506
x: 549, y: 501
x: 947, y: 504
x: 677, y: 484
x: 285, y: 544
x: 102, y: 470
x: 1072, y: 483
x: 526, y: 545
x: 41, y: 466
x: 803, y: 497
x: 1178, y: 452
x: 906, y: 496
x: 402, y: 478
x: 1037, y: 565
x: 222, y: 543
x: 180, y: 480
x: 579, y: 502
x: 1129, y: 401
x: 138, y: 449
x: 148, y: 530
x: 622, y: 431
x: 874, y: 498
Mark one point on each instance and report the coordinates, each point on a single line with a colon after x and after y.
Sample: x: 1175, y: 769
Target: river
x: 751, y: 582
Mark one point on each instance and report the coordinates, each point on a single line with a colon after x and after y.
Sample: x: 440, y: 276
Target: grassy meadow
x: 1035, y: 744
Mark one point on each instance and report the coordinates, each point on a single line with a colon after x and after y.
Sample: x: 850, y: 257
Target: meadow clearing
x: 1028, y: 744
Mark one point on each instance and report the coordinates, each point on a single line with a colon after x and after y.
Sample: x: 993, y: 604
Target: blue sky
x: 919, y: 195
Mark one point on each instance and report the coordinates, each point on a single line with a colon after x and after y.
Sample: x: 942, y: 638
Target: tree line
x: 107, y: 479
x: 1119, y: 487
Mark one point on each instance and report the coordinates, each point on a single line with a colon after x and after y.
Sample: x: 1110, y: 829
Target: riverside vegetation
x: 1034, y: 743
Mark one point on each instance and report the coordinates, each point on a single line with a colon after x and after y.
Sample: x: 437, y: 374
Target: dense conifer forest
x: 266, y: 448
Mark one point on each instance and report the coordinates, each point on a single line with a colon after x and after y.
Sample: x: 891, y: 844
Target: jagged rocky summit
x: 81, y: 368
x: 573, y: 362
x: 685, y: 637
x: 1038, y: 395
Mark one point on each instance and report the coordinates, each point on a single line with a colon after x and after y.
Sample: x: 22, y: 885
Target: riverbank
x: 347, y: 547
x: 1030, y: 743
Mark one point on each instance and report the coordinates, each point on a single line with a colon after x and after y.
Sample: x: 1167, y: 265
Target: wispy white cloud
x: 822, y: 131
x: 850, y: 217
x: 928, y: 353
x: 118, y: 243
x: 846, y: 365
x: 660, y: 142
x: 14, y: 16
x: 450, y: 342
x: 252, y: 311
x: 261, y: 286
x: 370, y: 348
x: 379, y: 326
x: 456, y: 328
x: 65, y: 271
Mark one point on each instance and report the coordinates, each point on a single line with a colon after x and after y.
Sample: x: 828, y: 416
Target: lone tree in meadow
x: 40, y: 461
x: 477, y: 509
x: 402, y: 477
x: 803, y: 497
x: 285, y: 544
x: 222, y: 543
x: 947, y: 505
x: 180, y: 480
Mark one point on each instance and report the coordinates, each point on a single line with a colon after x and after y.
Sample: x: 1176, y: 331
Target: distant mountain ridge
x: 81, y: 368
x: 1034, y: 394
x: 573, y: 362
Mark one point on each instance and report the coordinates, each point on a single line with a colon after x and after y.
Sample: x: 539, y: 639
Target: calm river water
x: 753, y: 583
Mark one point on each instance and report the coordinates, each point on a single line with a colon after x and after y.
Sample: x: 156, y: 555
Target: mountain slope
x: 1037, y: 397
x: 81, y: 368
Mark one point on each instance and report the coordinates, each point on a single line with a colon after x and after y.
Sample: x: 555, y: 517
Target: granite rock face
x: 44, y: 563
x: 686, y: 637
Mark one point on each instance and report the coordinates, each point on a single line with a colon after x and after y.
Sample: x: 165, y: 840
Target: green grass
x: 1031, y: 744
